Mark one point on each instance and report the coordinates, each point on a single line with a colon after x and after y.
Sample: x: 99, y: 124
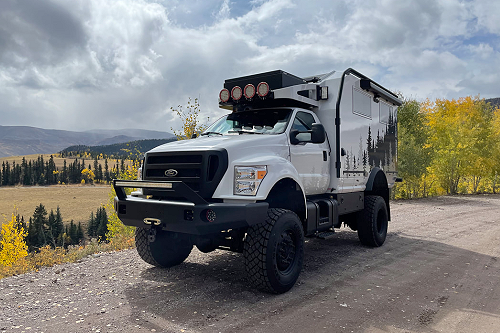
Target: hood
x: 236, y: 145
x: 226, y: 141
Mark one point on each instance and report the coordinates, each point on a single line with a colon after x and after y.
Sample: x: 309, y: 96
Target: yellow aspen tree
x: 88, y: 175
x: 459, y: 137
x: 12, y: 245
x: 495, y: 152
x: 190, y: 120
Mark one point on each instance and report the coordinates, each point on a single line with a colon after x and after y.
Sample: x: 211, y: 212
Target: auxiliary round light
x: 224, y: 95
x: 262, y: 89
x: 249, y: 90
x: 236, y: 93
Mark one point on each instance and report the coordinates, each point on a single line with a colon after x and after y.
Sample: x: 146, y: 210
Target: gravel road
x: 437, y: 272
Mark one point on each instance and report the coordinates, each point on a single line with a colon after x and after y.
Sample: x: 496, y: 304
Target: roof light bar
x: 236, y: 93
x: 262, y: 89
x: 224, y: 95
x: 249, y: 91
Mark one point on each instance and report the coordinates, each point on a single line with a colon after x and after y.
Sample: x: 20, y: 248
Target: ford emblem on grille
x: 171, y: 173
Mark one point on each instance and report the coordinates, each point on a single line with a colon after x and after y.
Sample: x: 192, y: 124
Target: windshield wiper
x: 243, y: 131
x: 208, y: 133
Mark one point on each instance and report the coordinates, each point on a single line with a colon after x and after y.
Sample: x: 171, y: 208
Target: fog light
x: 211, y: 215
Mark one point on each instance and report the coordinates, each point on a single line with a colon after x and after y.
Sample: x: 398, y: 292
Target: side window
x: 303, y: 121
x: 361, y: 103
x: 385, y: 112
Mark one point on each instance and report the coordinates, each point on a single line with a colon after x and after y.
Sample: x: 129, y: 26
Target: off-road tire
x: 169, y: 249
x: 373, y: 222
x: 274, y: 251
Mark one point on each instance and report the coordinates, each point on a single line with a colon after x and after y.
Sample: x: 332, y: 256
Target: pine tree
x: 37, y: 228
x: 5, y: 173
x: 79, y: 233
x: 106, y: 171
x: 73, y: 233
x: 102, y: 219
x: 92, y: 225
x: 51, y: 237
x: 96, y: 168
x: 58, y: 227
x: 64, y: 174
x: 99, y: 173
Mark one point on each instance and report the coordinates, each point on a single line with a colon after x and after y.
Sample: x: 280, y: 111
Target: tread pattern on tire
x: 168, y: 250
x: 142, y: 246
x: 254, y: 249
x: 366, y: 231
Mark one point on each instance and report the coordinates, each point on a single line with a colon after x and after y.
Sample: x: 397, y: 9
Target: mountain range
x: 26, y: 140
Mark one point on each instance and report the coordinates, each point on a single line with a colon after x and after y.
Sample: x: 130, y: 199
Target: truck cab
x: 293, y: 158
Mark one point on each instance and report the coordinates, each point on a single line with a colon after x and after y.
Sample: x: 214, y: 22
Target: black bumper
x: 200, y: 218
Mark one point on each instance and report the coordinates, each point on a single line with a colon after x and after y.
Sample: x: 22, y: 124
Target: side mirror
x: 194, y: 136
x: 318, y: 134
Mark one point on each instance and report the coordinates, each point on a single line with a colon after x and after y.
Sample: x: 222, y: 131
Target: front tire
x: 167, y: 250
x: 372, y: 227
x: 274, y: 251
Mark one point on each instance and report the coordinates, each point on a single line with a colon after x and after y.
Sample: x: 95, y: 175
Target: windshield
x: 264, y: 121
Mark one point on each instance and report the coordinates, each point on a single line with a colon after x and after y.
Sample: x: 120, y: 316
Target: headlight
x: 247, y: 179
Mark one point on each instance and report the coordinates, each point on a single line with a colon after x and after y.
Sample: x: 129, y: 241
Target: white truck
x: 295, y: 158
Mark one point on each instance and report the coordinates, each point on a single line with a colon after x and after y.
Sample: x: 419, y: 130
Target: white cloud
x: 124, y: 63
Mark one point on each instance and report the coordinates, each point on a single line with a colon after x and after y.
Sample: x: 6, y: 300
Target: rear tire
x: 274, y: 251
x: 372, y: 226
x: 169, y: 248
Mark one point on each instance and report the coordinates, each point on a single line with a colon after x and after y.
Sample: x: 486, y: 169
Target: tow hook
x: 152, y: 235
x: 151, y: 221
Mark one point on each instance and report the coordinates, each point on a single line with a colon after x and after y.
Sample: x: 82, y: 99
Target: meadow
x: 76, y: 202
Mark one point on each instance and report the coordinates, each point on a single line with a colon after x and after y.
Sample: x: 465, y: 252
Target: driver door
x: 311, y: 160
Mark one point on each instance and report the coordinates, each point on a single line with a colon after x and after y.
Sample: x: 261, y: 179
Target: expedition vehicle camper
x: 295, y: 158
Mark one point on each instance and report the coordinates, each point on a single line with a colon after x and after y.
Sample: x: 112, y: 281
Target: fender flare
x: 377, y: 185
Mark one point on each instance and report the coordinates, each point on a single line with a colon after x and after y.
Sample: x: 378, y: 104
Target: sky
x: 114, y: 64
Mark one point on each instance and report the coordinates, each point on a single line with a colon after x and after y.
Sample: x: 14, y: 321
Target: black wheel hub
x: 286, y: 251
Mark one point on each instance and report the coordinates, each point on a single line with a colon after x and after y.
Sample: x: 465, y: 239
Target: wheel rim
x: 286, y: 251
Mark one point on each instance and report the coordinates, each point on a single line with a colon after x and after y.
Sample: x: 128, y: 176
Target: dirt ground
x: 76, y: 202
x: 437, y: 272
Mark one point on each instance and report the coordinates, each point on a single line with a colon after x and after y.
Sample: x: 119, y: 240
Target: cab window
x: 303, y: 121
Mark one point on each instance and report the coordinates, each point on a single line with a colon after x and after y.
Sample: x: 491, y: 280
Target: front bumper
x: 195, y: 217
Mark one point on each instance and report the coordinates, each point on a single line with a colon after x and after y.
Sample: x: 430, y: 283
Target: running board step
x: 326, y: 234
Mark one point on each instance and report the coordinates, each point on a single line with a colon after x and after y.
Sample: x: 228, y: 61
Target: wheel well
x: 287, y: 194
x: 377, y: 185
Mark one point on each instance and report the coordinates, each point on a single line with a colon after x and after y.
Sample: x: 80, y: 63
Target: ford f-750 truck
x: 294, y: 157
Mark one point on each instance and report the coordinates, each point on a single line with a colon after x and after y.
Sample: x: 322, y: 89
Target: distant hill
x: 26, y: 140
x: 495, y: 102
x: 117, y: 150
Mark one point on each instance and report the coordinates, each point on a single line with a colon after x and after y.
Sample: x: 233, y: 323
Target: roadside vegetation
x: 444, y: 147
x: 45, y: 241
x: 448, y: 147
